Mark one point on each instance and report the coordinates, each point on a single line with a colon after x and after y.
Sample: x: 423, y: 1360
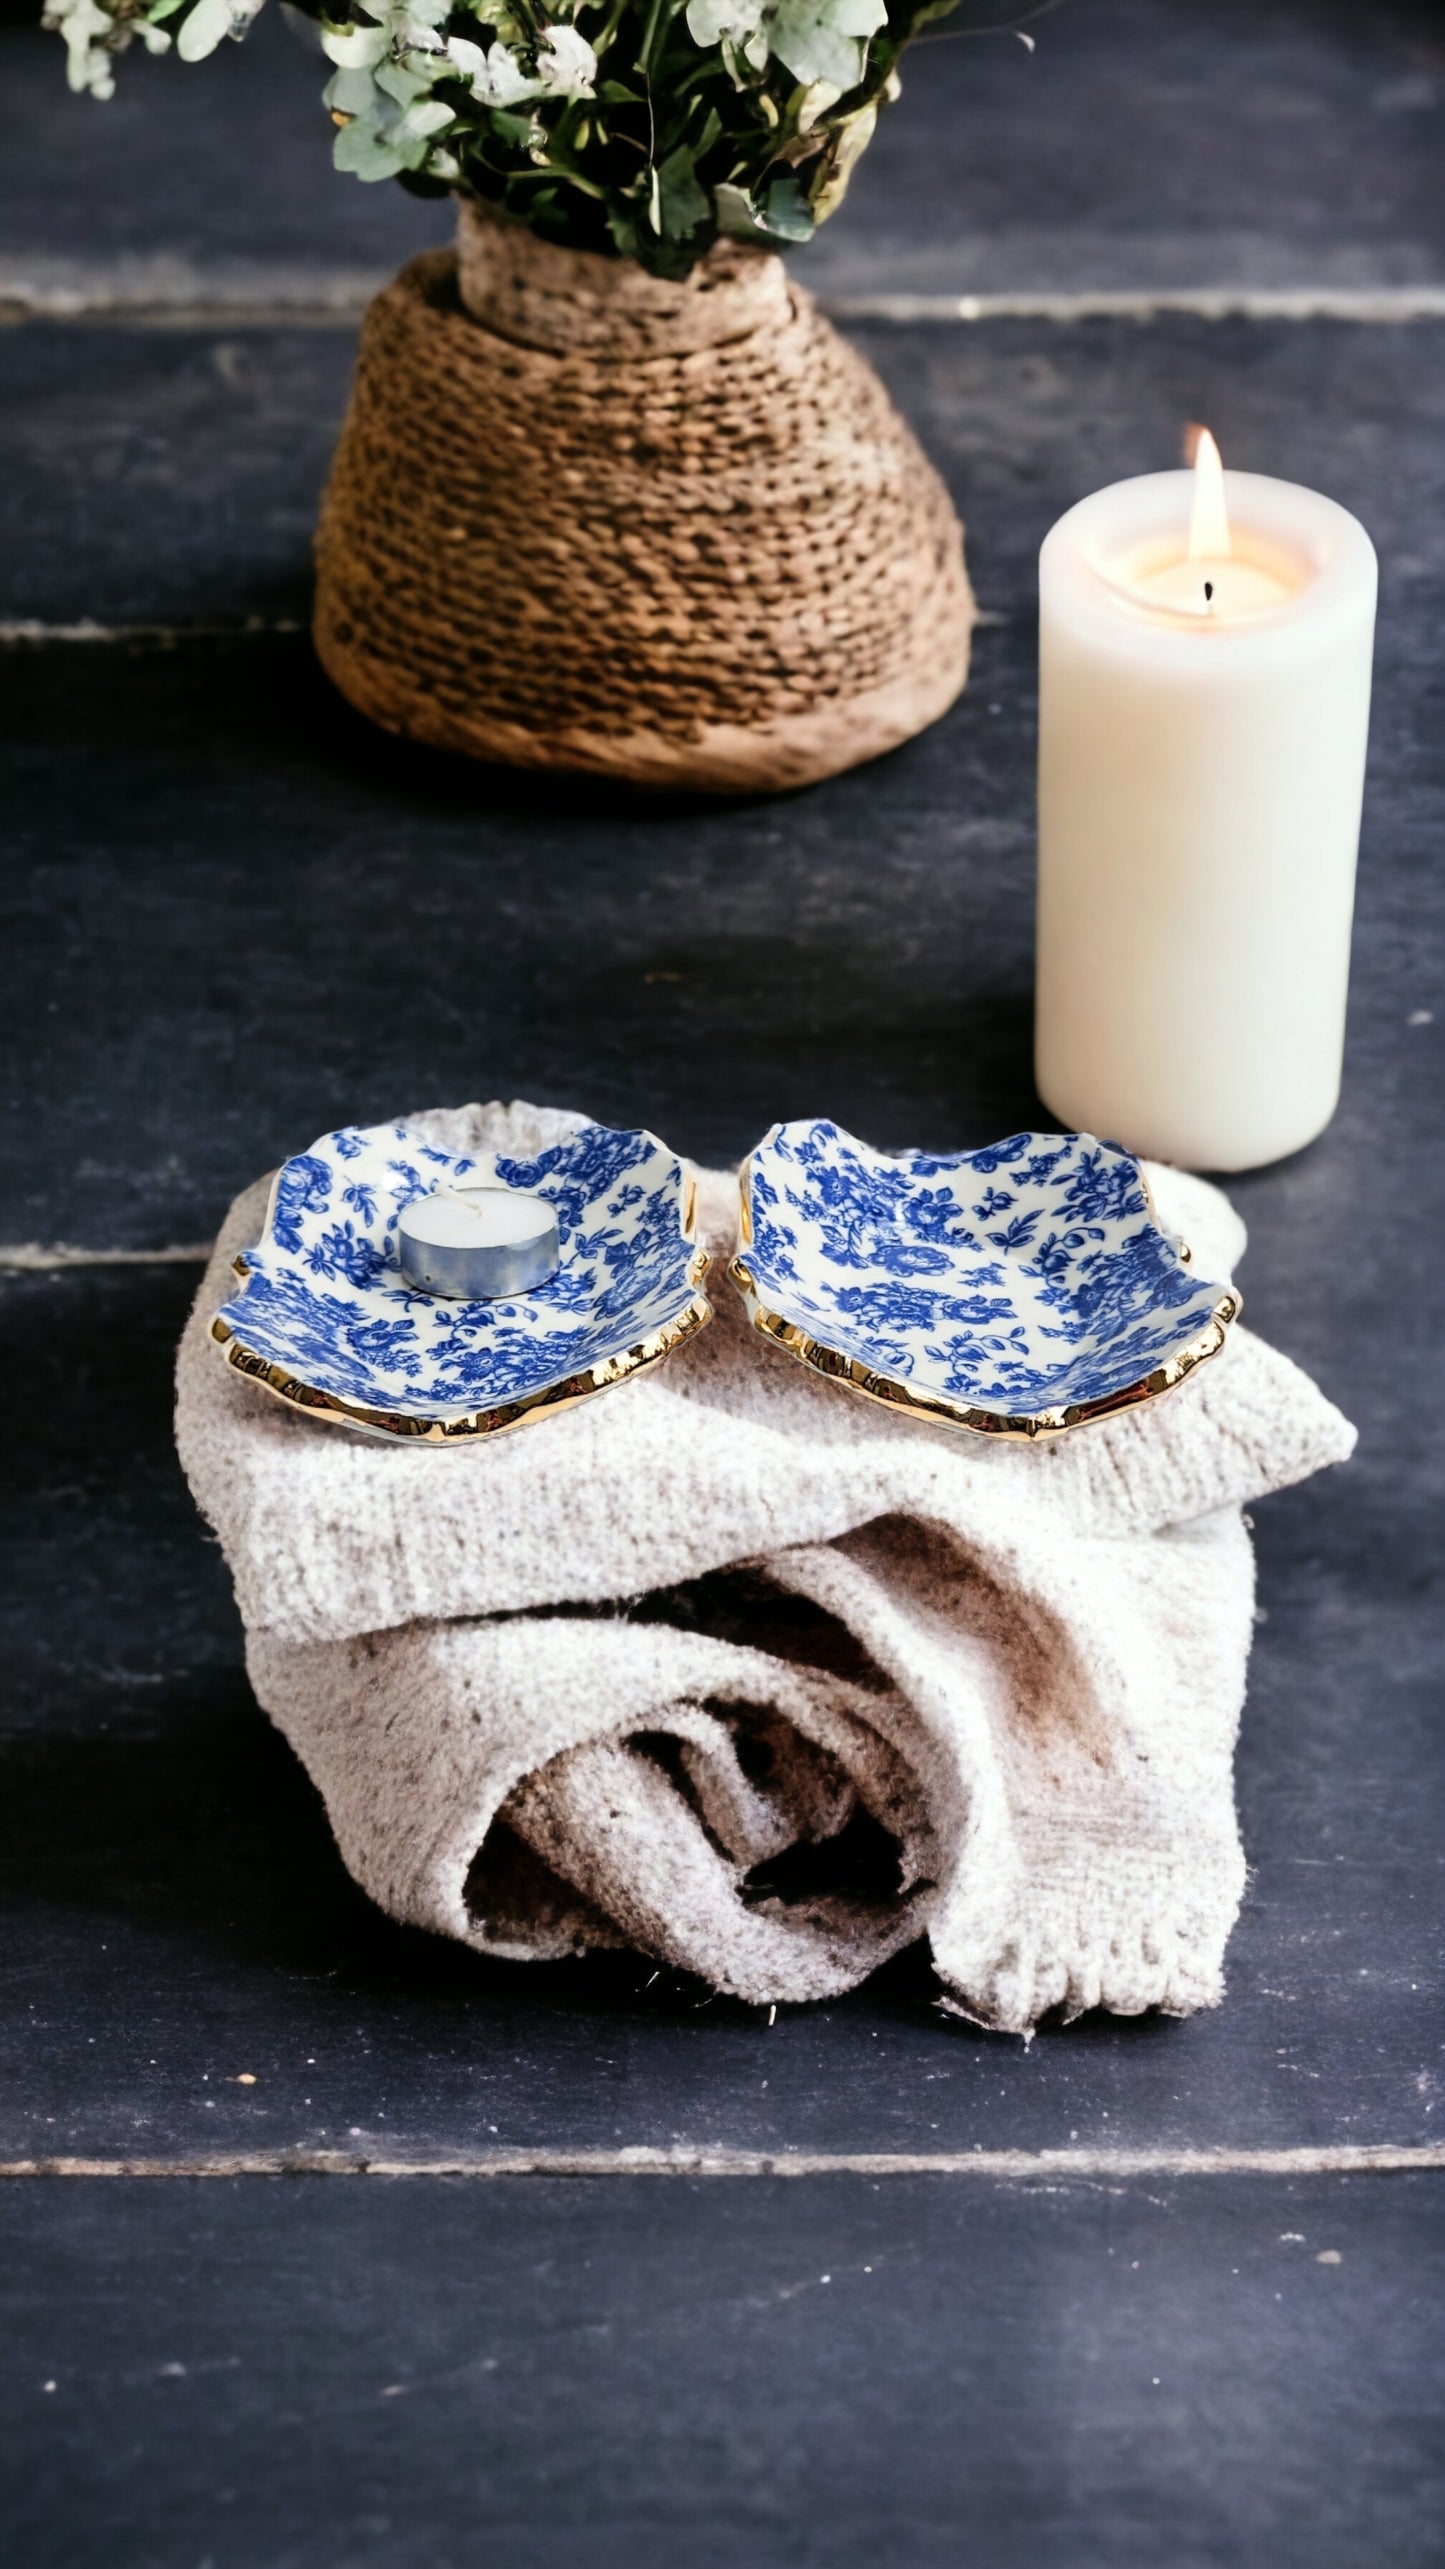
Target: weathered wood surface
x: 224, y: 905
x: 1222, y: 143
x: 635, y: 2373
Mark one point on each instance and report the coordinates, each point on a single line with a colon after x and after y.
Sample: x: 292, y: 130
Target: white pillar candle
x: 1204, y: 690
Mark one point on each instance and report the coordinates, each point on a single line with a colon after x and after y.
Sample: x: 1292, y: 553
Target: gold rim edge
x: 937, y: 1409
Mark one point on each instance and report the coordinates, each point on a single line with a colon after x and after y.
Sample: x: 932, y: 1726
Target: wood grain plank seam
x: 32, y: 633
x: 1007, y: 2166
x: 20, y: 633
x: 1362, y: 304
x: 312, y: 305
x: 36, y: 1258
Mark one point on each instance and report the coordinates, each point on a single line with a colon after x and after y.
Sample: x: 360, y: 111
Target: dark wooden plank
x: 1222, y: 144
x: 214, y: 862
x: 163, y: 477
x: 212, y: 176
x: 754, y: 2375
x: 872, y: 937
x: 304, y: 924
x: 1241, y: 142
x: 175, y: 1913
x: 172, y: 477
x: 238, y: 916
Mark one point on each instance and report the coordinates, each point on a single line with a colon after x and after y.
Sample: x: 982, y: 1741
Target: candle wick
x: 1208, y: 591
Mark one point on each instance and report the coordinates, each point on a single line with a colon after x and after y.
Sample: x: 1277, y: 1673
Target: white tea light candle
x: 1205, y: 644
x: 477, y: 1244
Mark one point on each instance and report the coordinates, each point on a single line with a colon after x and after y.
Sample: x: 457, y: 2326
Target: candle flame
x: 1209, y: 518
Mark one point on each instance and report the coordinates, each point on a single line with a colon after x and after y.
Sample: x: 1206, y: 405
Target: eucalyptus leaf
x: 400, y: 84
x: 351, y: 93
x: 825, y: 39
x: 429, y: 116
x: 682, y: 204
x: 787, y: 215
x: 366, y: 152
x: 782, y: 215
x: 737, y: 215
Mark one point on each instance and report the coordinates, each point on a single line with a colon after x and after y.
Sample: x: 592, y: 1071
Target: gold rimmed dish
x: 1016, y: 1292
x: 324, y: 1320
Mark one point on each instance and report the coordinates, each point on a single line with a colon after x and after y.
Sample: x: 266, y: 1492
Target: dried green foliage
x: 641, y: 127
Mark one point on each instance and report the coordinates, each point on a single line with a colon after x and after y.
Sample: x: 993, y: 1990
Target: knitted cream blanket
x: 764, y: 1679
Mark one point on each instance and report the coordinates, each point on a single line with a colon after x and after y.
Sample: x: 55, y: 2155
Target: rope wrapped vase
x: 583, y: 518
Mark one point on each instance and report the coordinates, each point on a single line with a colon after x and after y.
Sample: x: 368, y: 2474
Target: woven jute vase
x: 581, y: 518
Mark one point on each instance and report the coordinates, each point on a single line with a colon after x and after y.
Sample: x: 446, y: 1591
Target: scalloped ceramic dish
x: 1017, y: 1291
x: 325, y: 1320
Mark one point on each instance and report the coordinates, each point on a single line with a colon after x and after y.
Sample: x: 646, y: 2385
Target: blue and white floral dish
x: 324, y: 1318
x: 1016, y: 1291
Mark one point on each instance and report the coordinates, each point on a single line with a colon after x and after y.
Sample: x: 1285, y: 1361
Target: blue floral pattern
x: 1021, y: 1280
x: 324, y: 1301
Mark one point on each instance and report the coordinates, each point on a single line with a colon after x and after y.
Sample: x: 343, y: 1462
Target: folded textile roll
x: 766, y: 1680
